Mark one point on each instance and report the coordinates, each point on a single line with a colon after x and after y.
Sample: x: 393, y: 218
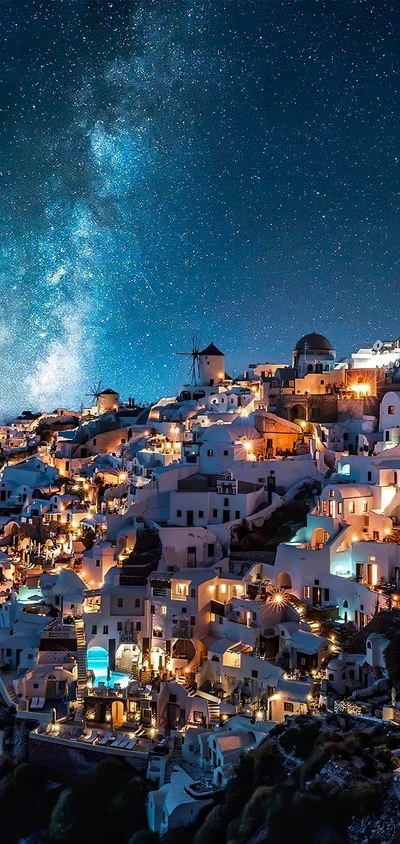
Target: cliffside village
x: 177, y: 579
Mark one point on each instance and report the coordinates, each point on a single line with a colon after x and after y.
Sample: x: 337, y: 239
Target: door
x: 226, y: 516
x: 191, y: 557
x: 360, y: 571
x: 189, y: 518
x: 316, y: 596
x: 111, y: 654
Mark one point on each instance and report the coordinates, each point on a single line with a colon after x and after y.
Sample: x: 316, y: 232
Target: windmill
x: 194, y: 355
x: 94, y: 392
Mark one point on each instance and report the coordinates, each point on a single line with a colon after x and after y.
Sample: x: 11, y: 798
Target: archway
x: 298, y: 411
x: 183, y: 649
x: 318, y: 538
x: 284, y: 581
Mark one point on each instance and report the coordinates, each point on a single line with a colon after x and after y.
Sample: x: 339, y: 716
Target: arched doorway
x: 298, y: 411
x: 183, y: 649
x: 284, y: 581
x: 318, y: 538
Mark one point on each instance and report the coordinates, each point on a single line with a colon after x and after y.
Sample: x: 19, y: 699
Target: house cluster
x: 183, y: 576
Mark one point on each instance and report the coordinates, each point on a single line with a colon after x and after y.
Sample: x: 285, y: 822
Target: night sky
x: 228, y: 168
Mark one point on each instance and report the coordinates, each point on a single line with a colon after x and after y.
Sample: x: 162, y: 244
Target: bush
x: 366, y: 798
x: 269, y: 762
x: 255, y: 813
x: 301, y: 739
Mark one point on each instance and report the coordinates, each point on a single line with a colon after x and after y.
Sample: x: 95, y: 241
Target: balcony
x: 127, y: 638
x: 181, y: 632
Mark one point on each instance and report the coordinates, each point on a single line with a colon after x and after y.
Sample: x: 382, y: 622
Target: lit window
x: 365, y: 506
x: 163, y: 610
x: 306, y: 592
x: 391, y: 410
x: 212, y: 616
x: 351, y: 507
x: 331, y: 493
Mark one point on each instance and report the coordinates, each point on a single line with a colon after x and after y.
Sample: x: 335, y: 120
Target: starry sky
x: 167, y: 167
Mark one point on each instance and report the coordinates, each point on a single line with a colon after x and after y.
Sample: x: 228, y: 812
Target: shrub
x: 255, y: 813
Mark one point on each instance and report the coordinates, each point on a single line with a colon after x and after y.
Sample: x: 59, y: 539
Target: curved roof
x: 313, y: 343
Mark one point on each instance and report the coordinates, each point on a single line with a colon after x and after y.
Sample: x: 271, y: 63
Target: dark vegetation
x: 306, y: 782
x: 281, y: 526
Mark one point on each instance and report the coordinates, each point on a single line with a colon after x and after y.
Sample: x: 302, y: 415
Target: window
x: 215, y: 514
x: 225, y: 453
x: 105, y: 629
x: 193, y: 620
x: 269, y: 444
x: 184, y: 610
x: 137, y: 602
x: 387, y: 436
x: 316, y: 582
x: 351, y: 673
x: 192, y: 593
x: 8, y: 652
x: 365, y: 506
x: 210, y: 549
x: 375, y: 535
x: 138, y: 626
x: 339, y: 508
x: 152, y: 609
x: 351, y: 507
x: 237, y: 514
x: 366, y: 521
x: 120, y: 602
x: 254, y: 674
x: 288, y: 707
x: 331, y: 493
x: 324, y: 507
x: 212, y: 616
x: 36, y: 685
x: 94, y: 441
x: 391, y: 409
x: 119, y: 626
x: 94, y: 629
x: 370, y: 476
x: 210, y: 452
x: 326, y: 594
x: 307, y: 592
x: 163, y: 609
x: 172, y: 698
x: 331, y: 677
x: 178, y: 514
x: 201, y: 514
x: 345, y: 604
x: 226, y: 502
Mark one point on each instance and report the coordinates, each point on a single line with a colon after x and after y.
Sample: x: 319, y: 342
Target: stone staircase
x: 214, y: 712
x: 81, y: 660
x: 174, y: 759
x: 11, y: 694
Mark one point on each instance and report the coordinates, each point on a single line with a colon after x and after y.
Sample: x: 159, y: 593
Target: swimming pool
x: 97, y: 662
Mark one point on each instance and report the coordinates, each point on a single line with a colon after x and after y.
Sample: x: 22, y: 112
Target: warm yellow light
x: 361, y: 389
x: 309, y: 697
x: 303, y: 423
x: 247, y: 445
x: 387, y: 531
x: 122, y: 477
x: 354, y: 538
x: 259, y: 715
x: 278, y: 599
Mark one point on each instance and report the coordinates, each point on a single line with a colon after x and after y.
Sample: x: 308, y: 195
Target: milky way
x: 228, y: 168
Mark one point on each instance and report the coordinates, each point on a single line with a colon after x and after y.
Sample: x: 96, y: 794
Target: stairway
x: 174, y: 759
x: 189, y: 687
x: 11, y: 694
x: 214, y: 712
x: 81, y: 660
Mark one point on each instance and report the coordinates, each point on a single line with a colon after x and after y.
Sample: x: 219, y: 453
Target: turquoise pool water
x: 97, y: 661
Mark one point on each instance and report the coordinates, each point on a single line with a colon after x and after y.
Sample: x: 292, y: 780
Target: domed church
x: 312, y: 353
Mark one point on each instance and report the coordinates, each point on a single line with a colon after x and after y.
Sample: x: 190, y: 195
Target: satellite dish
x: 377, y: 346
